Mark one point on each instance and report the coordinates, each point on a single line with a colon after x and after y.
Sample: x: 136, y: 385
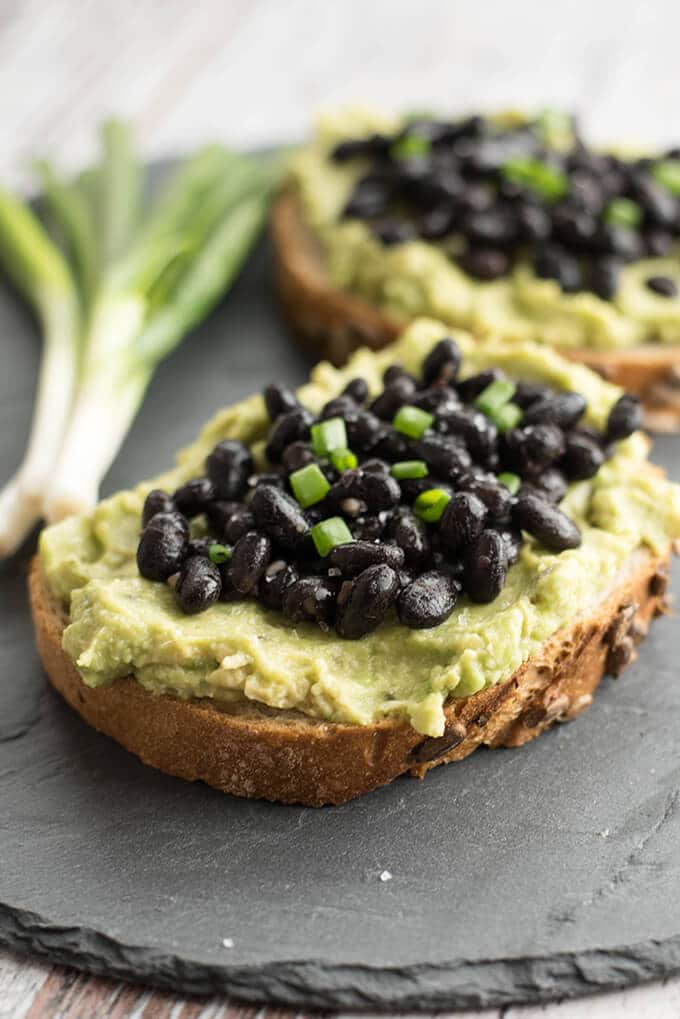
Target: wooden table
x: 254, y: 71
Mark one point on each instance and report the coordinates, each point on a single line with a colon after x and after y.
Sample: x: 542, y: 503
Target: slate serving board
x: 517, y: 875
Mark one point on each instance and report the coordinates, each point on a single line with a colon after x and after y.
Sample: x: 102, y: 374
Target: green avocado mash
x: 418, y: 278
x: 122, y: 624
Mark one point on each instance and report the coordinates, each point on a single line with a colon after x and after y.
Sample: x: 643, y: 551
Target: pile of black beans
x: 260, y: 541
x: 500, y: 195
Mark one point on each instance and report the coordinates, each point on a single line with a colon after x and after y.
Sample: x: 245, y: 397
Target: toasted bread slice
x: 254, y: 751
x: 331, y: 323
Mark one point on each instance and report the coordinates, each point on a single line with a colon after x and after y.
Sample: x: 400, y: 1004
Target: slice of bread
x: 253, y: 751
x: 331, y: 323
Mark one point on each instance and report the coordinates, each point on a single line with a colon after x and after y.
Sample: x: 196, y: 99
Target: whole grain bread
x: 331, y: 323
x: 249, y: 750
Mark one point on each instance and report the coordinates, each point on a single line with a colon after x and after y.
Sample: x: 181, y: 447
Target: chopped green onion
x: 667, y: 172
x: 409, y: 469
x: 309, y: 485
x: 496, y: 394
x: 537, y: 176
x: 329, y: 533
x: 430, y: 505
x: 410, y: 145
x: 412, y: 421
x: 219, y: 553
x: 506, y: 417
x: 329, y: 435
x: 623, y: 212
x: 511, y: 481
x: 343, y: 459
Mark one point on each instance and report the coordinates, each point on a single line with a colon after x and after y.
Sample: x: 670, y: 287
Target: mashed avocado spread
x: 121, y: 624
x: 419, y: 277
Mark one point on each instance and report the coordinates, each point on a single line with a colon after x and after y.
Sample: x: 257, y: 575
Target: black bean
x: 436, y: 223
x: 462, y: 521
x: 621, y: 241
x: 486, y: 567
x: 625, y: 417
x: 290, y: 427
x: 297, y: 455
x: 553, y: 263
x: 551, y: 483
x: 444, y: 455
x: 275, y: 478
x: 428, y: 601
x: 374, y: 491
x: 198, y: 586
x: 368, y: 528
x: 545, y: 522
x: 497, y: 227
x: 363, y: 430
x: 493, y: 493
x: 392, y: 446
x: 562, y: 409
x: 575, y: 227
x: 229, y: 466
x: 231, y: 521
x: 370, y: 198
x: 439, y: 400
x: 278, y: 400
x: 533, y: 222
x: 199, y: 546
x: 470, y: 388
x: 193, y: 497
x: 393, y: 396
x: 582, y: 458
x: 513, y: 544
x: 527, y: 393
x: 311, y: 599
x: 485, y: 263
x: 474, y: 428
x: 391, y: 232
x: 395, y: 371
x: 157, y: 501
x: 412, y: 536
x: 250, y: 558
x: 411, y: 488
x: 364, y: 605
x: 664, y: 286
x: 533, y: 447
x: 279, y: 516
x: 442, y: 363
x: 375, y: 465
x: 275, y: 583
x: 357, y: 390
x: 658, y: 242
x: 360, y: 148
x: 659, y: 205
x: 604, y: 277
x: 356, y: 556
x: 162, y: 546
x: 338, y: 407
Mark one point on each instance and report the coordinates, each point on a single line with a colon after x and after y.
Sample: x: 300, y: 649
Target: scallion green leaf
x: 329, y: 533
x: 412, y: 421
x: 309, y: 485
x: 329, y: 435
x: 430, y: 505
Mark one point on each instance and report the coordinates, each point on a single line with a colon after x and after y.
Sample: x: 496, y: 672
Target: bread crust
x: 250, y: 750
x: 331, y: 323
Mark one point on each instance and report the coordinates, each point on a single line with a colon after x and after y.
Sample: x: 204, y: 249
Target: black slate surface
x: 516, y: 875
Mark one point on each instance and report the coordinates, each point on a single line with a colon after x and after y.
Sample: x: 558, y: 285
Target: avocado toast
x: 504, y: 225
x: 280, y: 705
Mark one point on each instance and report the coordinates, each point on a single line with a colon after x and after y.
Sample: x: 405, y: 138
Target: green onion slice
x: 412, y: 421
x: 496, y: 394
x: 667, y: 172
x: 542, y: 178
x: 623, y: 212
x: 329, y: 435
x: 506, y: 417
x: 309, y: 485
x: 343, y: 459
x: 219, y: 553
x: 511, y: 481
x: 410, y: 145
x: 329, y: 533
x: 409, y: 469
x: 430, y: 505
